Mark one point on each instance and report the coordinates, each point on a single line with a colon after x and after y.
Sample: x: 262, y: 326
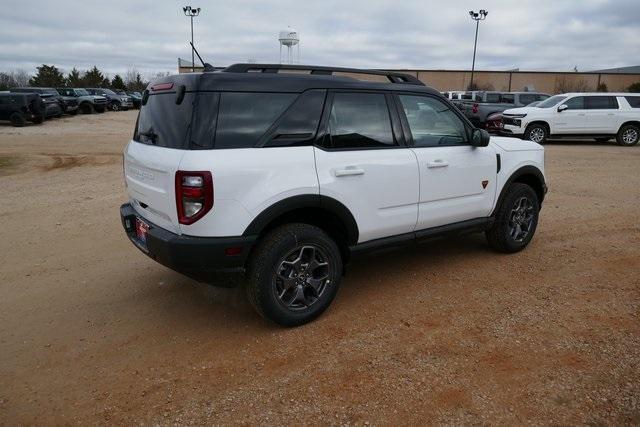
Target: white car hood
x: 521, y: 110
x: 515, y: 144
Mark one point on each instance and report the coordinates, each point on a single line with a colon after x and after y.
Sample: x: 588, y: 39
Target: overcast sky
x: 116, y: 34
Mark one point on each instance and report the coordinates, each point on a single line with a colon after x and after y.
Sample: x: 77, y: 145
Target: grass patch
x: 6, y: 162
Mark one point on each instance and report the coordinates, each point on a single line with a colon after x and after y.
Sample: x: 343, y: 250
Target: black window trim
x: 405, y: 122
x: 322, y: 138
x: 270, y: 132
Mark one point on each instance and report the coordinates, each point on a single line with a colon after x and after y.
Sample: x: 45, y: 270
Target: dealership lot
x: 92, y: 331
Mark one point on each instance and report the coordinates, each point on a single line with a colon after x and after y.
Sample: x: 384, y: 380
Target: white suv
x: 601, y: 116
x: 283, y: 177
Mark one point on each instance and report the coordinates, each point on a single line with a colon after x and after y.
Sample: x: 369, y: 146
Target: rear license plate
x: 142, y: 228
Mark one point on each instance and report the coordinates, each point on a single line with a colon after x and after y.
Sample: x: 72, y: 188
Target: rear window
x: 601, y: 103
x: 634, y: 101
x: 207, y: 120
x: 164, y: 123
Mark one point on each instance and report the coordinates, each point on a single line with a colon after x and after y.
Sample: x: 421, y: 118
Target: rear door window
x: 601, y: 103
x: 492, y: 97
x: 507, y: 98
x: 244, y: 117
x: 360, y: 120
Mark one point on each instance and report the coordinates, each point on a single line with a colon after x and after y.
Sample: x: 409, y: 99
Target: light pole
x: 476, y: 16
x: 192, y: 12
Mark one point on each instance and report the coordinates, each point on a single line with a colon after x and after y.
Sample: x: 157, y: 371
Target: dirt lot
x: 91, y: 331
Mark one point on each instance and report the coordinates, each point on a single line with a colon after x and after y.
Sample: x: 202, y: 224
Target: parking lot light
x: 476, y: 16
x: 192, y: 12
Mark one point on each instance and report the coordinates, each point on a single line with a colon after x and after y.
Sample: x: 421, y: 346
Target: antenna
x: 207, y: 67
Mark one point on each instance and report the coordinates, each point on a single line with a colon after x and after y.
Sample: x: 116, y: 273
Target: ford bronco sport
x: 283, y: 177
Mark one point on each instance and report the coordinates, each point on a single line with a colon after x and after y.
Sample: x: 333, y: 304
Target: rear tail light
x: 194, y: 195
x: 474, y: 109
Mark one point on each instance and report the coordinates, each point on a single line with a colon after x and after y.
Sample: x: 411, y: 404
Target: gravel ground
x: 449, y: 332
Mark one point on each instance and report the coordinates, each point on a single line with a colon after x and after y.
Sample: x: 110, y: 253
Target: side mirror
x: 562, y: 108
x: 480, y: 138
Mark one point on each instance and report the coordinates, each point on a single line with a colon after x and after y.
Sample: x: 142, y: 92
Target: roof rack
x: 393, y: 77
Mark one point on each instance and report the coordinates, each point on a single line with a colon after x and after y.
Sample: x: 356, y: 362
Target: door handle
x: 349, y: 171
x: 437, y: 164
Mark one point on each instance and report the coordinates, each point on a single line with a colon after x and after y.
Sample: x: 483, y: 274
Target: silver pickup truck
x: 477, y: 106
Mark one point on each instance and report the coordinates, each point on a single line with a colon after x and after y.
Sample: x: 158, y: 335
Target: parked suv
x: 284, y: 177
x: 55, y: 104
x: 595, y: 115
x: 115, y: 101
x: 19, y: 108
x: 87, y: 103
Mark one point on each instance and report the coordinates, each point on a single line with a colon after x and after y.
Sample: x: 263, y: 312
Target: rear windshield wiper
x: 151, y: 135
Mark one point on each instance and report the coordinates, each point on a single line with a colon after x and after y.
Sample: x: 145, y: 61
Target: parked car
x: 494, y: 123
x: 52, y: 107
x: 486, y: 103
x: 309, y: 171
x: 19, y: 108
x: 87, y: 103
x: 52, y: 95
x: 136, y: 98
x: 115, y: 101
x: 594, y: 115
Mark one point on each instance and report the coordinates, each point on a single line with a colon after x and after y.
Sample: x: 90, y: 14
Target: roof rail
x: 393, y: 76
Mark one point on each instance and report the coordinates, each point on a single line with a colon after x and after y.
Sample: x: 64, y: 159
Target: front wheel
x: 294, y: 274
x: 516, y: 219
x: 115, y: 106
x: 628, y: 135
x: 537, y: 133
x: 17, y: 119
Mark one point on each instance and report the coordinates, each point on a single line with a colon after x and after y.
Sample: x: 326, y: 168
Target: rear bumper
x: 202, y: 258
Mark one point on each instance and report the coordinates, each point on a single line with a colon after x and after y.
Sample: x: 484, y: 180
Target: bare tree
x: 564, y: 85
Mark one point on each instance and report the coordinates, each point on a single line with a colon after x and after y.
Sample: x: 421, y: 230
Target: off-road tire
x: 270, y: 254
x: 86, y: 108
x: 628, y: 135
x: 17, y: 120
x: 534, y: 130
x: 499, y: 235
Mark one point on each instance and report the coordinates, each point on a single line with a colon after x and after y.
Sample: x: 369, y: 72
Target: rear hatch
x: 166, y: 129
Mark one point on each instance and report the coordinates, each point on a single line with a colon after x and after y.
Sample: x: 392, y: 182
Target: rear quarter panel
x: 246, y: 181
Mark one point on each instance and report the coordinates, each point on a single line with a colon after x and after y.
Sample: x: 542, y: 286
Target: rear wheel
x: 516, y: 219
x: 294, y: 274
x: 628, y: 135
x: 536, y: 133
x: 18, y: 119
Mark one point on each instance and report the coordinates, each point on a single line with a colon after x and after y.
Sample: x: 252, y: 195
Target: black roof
x: 242, y: 78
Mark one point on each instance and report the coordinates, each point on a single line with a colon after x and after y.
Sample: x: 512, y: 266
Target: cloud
x: 116, y: 34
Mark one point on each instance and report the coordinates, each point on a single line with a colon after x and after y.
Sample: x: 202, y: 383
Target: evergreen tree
x: 47, y: 76
x: 74, y: 78
x: 93, y: 78
x: 118, y: 83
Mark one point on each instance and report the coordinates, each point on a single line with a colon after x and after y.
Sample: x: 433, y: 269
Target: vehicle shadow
x: 369, y: 276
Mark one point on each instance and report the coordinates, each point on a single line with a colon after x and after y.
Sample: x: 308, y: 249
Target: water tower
x: 291, y: 40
